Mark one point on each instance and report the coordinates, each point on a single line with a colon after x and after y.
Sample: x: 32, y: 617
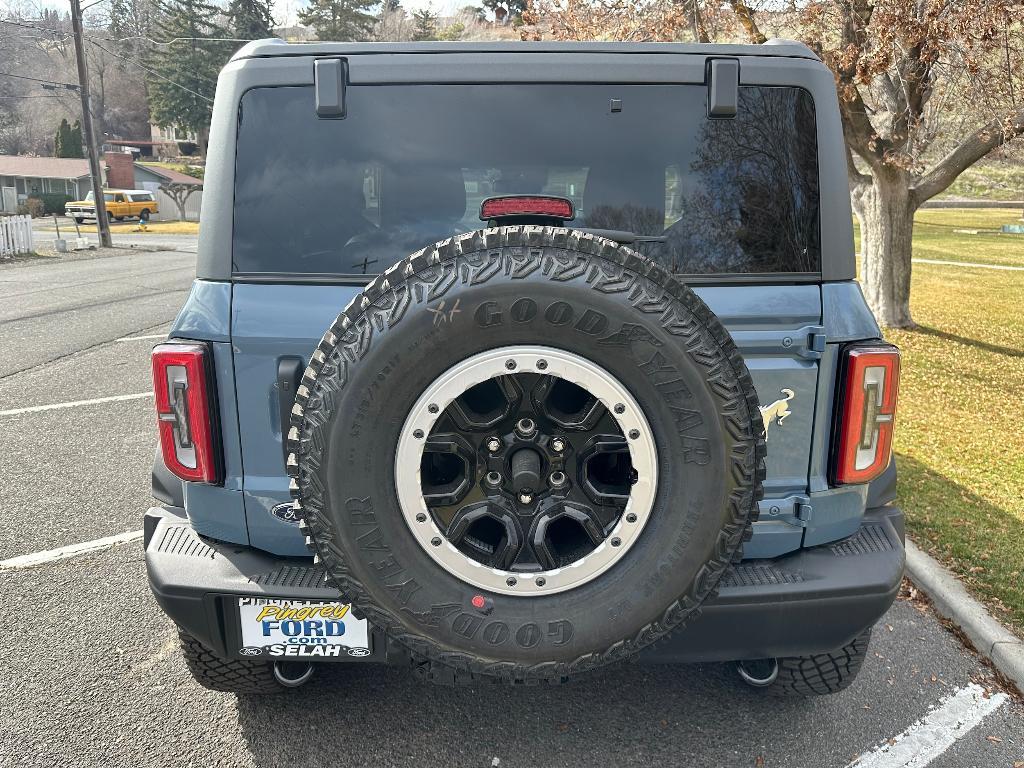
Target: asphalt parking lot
x: 89, y: 668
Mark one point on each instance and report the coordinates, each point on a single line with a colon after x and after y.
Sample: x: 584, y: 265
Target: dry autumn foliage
x: 926, y: 88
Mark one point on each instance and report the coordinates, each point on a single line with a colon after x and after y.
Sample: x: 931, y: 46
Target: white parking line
x: 143, y: 338
x: 934, y: 733
x: 970, y: 264
x: 73, y: 550
x: 75, y: 403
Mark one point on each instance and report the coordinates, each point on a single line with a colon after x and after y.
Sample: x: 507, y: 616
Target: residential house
x: 23, y: 177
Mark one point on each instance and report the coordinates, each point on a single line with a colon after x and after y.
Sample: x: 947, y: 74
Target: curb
x: 949, y: 597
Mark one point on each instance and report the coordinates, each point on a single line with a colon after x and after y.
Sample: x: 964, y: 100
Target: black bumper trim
x: 812, y: 601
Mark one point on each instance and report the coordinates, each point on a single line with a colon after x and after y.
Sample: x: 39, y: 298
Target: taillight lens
x: 527, y: 205
x: 870, y: 379
x: 184, y: 411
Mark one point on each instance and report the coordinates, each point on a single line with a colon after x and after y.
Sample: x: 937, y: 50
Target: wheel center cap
x: 526, y: 472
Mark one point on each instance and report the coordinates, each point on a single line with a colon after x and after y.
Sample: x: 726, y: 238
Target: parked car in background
x: 121, y: 204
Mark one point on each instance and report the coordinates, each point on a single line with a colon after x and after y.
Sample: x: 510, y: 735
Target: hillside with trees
x: 156, y: 61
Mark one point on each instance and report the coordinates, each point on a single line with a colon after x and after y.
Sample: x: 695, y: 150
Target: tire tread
x: 559, y: 254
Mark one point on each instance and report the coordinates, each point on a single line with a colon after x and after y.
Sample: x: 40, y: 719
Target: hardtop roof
x: 274, y: 47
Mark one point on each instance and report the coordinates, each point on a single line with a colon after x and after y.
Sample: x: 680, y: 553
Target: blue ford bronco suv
x: 602, y: 386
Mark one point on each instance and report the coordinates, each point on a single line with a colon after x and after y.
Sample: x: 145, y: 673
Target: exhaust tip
x: 759, y: 673
x: 292, y: 674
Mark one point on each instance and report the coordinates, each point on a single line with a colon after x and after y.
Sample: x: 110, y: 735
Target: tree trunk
x: 885, y: 209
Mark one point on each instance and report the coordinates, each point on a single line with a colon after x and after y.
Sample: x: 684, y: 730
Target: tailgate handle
x: 289, y: 374
x: 331, y: 77
x: 723, y: 87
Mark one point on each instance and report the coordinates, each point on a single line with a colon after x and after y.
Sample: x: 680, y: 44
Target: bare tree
x: 180, y: 192
x: 926, y: 88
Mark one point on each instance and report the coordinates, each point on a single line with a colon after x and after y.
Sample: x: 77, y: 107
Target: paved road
x: 90, y: 674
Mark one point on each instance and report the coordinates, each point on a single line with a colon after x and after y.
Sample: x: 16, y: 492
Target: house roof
x: 171, y: 175
x: 44, y: 167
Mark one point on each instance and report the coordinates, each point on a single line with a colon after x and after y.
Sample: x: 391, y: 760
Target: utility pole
x: 102, y: 222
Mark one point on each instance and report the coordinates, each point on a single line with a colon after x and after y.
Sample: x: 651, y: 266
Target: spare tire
x: 525, y: 452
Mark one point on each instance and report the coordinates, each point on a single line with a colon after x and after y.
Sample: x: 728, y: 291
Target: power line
x: 69, y: 86
x: 152, y: 72
x: 148, y: 39
x: 138, y: 63
x: 14, y: 23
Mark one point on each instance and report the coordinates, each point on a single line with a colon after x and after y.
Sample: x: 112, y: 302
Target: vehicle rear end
x: 722, y: 165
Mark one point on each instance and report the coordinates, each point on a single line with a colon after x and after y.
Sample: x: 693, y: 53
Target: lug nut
x: 493, y: 479
x: 557, y: 444
x: 525, y: 427
x: 557, y: 479
x: 493, y: 444
x: 525, y: 497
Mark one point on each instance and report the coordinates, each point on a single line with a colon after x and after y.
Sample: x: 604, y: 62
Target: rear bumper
x: 812, y: 601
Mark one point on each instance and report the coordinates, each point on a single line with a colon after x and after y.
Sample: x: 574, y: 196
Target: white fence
x: 15, y: 235
x: 168, y: 208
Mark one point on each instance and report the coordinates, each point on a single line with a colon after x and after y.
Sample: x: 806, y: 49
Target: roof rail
x: 246, y: 49
x: 789, y: 42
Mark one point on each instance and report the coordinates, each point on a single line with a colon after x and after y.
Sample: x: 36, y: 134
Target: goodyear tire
x: 691, y: 440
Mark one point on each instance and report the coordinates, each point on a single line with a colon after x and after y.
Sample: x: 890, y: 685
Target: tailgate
x: 778, y: 329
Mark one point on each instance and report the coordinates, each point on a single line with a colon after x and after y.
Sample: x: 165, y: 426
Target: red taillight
x: 527, y: 205
x: 870, y: 379
x: 183, y: 411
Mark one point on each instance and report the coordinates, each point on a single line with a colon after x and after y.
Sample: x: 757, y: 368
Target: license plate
x: 301, y: 629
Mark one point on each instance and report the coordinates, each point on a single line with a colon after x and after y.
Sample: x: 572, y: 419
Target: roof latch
x: 330, y: 76
x: 723, y: 87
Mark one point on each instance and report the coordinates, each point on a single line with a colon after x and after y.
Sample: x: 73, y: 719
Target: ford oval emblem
x: 286, y: 513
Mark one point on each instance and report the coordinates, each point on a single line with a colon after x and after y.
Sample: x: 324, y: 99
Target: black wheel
x: 227, y: 675
x: 824, y: 673
x: 526, y: 452
x: 110, y: 216
x: 144, y: 214
x: 818, y: 675
x: 79, y: 220
x: 119, y: 218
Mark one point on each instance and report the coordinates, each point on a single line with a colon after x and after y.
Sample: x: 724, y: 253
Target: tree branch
x: 858, y: 130
x: 857, y: 178
x: 746, y: 17
x: 968, y: 152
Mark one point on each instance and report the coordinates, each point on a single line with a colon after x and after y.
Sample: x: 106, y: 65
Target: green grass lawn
x: 936, y: 235
x: 990, y: 181
x: 960, y: 431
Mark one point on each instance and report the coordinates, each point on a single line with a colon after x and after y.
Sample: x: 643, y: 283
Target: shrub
x: 452, y: 32
x: 33, y: 207
x: 53, y: 202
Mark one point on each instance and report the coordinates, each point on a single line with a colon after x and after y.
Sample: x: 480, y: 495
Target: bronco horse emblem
x: 777, y: 411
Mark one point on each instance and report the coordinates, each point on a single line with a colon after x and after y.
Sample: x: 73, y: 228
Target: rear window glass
x: 410, y: 165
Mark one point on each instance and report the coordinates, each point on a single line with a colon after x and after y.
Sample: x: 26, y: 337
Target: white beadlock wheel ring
x: 488, y: 365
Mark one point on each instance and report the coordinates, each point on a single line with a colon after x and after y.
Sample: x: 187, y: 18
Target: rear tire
x: 227, y: 675
x: 824, y: 673
x: 79, y: 220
